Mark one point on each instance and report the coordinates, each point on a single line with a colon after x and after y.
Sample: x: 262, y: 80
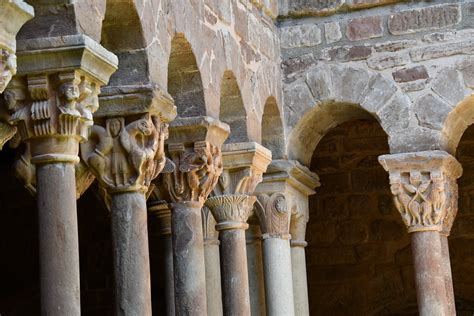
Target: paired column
x: 53, y: 113
x: 13, y: 14
x: 161, y: 210
x: 253, y: 237
x: 425, y: 193
x: 194, y: 148
x: 283, y: 195
x: 244, y: 164
x: 213, y: 268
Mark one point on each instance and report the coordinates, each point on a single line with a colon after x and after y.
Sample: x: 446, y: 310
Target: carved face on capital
x: 144, y: 127
x: 114, y: 126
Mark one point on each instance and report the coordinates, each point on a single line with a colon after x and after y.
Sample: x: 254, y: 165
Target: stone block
x: 438, y: 37
x: 308, y: 7
x: 428, y: 18
x: 396, y: 116
x: 444, y: 50
x: 447, y: 84
x: 352, y: 232
x: 431, y: 111
x: 318, y: 81
x: 412, y: 86
x: 386, y: 230
x: 410, y: 74
x: 394, y: 46
x: 466, y: 67
x: 298, y: 99
x: 349, y: 83
x: 347, y: 53
x: 364, y: 28
x: 360, y: 4
x: 293, y: 66
x: 378, y: 93
x: 388, y: 60
x: 305, y: 35
x: 332, y: 32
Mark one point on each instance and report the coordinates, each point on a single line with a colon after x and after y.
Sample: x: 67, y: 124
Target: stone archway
x: 273, y: 134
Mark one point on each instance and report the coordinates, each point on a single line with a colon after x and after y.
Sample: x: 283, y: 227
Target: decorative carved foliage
x: 7, y: 68
x: 57, y: 105
x: 274, y: 215
x: 426, y: 200
x: 196, y: 171
x: 231, y: 211
x: 238, y: 181
x: 126, y: 156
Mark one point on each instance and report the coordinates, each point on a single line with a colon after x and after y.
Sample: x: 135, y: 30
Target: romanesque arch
x: 273, y: 135
x: 332, y: 94
x: 184, y: 79
x: 232, y: 109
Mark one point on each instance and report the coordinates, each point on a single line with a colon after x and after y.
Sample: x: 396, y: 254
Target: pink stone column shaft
x: 58, y: 239
x: 255, y: 270
x: 429, y: 273
x: 448, y: 277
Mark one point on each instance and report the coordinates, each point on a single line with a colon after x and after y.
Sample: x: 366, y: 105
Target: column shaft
x: 448, y: 278
x: 213, y: 277
x: 235, y: 282
x: 169, y: 271
x: 58, y: 239
x: 429, y: 273
x: 255, y: 270
x: 278, y: 280
x: 131, y: 254
x: 300, y: 283
x: 188, y: 256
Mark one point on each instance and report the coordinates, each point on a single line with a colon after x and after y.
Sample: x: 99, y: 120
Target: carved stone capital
x: 56, y: 93
x: 298, y: 225
x: 162, y: 211
x: 196, y: 171
x: 424, y: 188
x: 194, y: 149
x: 274, y: 214
x: 231, y: 211
x: 126, y: 153
x: 25, y: 171
x: 13, y: 14
x: 244, y: 165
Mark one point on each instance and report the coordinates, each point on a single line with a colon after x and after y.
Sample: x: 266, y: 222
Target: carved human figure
x: 7, y: 68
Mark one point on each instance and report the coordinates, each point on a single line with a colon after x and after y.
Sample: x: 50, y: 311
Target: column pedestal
x: 278, y: 280
x: 189, y: 268
x: 58, y: 239
x: 131, y: 254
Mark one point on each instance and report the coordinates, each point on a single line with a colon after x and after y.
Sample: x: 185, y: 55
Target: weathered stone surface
x: 410, y: 74
x: 447, y: 84
x: 423, y: 19
x: 364, y: 28
x: 319, y: 82
x: 394, y: 46
x: 348, y: 53
x: 292, y: 66
x: 412, y: 86
x: 298, y: 99
x: 466, y: 67
x: 388, y: 60
x: 396, y: 115
x: 378, y: 93
x: 304, y: 35
x: 305, y: 7
x: 444, y: 50
x: 349, y: 83
x: 332, y: 32
x: 431, y: 111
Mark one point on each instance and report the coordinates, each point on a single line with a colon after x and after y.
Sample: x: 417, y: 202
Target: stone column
x: 283, y: 209
x: 274, y: 215
x: 194, y: 148
x: 244, y: 164
x: 161, y: 210
x: 253, y: 238
x: 213, y: 268
x: 425, y: 193
x: 53, y: 112
x: 126, y: 153
x: 298, y: 264
x: 13, y: 14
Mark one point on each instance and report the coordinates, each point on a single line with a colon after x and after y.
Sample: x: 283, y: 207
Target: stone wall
x: 358, y: 255
x: 415, y: 57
